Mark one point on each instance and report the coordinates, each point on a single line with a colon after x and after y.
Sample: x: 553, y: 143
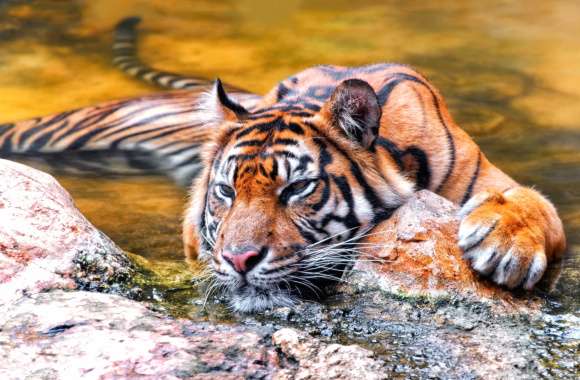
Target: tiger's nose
x: 243, y: 260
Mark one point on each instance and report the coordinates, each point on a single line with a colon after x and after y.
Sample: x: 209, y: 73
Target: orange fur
x: 415, y: 117
x: 508, y: 231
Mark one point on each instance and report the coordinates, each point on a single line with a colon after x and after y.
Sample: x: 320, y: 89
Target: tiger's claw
x: 501, y: 241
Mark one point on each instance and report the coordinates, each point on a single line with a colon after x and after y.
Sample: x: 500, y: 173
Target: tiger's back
x: 416, y: 129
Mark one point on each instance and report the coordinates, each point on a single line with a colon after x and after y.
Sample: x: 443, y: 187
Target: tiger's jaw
x: 251, y: 299
x: 280, y: 281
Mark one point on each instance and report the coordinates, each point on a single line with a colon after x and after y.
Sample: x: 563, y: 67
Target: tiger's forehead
x: 272, y: 150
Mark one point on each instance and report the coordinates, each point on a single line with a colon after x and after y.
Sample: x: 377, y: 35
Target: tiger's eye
x: 295, y: 188
x: 298, y: 186
x: 226, y: 191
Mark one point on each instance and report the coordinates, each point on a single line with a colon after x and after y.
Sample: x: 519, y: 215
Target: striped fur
x: 126, y: 59
x: 348, y: 165
x: 290, y: 182
x: 160, y: 133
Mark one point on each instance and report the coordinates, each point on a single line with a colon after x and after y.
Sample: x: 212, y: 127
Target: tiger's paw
x: 503, y: 239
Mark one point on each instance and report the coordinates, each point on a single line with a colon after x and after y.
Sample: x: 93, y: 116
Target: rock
x: 311, y: 359
x: 417, y: 255
x: 74, y: 335
x: 46, y: 243
x: 79, y: 335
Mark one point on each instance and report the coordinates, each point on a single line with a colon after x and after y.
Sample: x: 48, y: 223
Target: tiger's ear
x: 217, y: 107
x: 354, y: 109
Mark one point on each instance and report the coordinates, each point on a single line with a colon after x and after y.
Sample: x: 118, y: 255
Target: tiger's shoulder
x: 316, y: 84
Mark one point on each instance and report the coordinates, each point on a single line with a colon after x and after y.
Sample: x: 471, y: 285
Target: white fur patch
x: 485, y: 260
x: 255, y: 302
x: 536, y: 270
x: 509, y: 271
x: 473, y: 203
x: 350, y: 125
x: 210, y: 108
x: 471, y: 234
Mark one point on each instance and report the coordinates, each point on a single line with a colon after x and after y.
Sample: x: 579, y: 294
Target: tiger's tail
x: 125, y: 58
x: 161, y: 133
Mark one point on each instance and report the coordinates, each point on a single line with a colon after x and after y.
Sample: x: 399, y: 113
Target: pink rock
x: 84, y: 335
x: 45, y: 242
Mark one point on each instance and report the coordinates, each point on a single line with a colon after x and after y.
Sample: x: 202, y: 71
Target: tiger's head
x: 287, y: 191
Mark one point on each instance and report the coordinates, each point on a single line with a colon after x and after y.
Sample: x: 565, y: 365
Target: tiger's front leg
x: 511, y: 236
x: 508, y: 232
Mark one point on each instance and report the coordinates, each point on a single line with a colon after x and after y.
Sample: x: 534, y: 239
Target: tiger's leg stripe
x: 473, y: 180
x: 148, y: 122
x: 57, y: 121
x: 6, y: 130
x: 383, y: 96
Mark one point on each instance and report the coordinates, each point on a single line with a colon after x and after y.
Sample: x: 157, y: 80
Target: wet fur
x: 508, y: 232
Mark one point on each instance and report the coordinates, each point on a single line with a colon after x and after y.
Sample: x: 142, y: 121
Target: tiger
x: 285, y: 187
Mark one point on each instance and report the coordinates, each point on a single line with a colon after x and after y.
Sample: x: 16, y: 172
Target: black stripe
x: 44, y: 124
x: 163, y: 131
x: 296, y: 128
x: 274, y: 172
x: 282, y: 141
x: 301, y: 113
x: 126, y: 27
x: 249, y: 143
x: 226, y: 101
x: 282, y: 92
x: 262, y: 127
x: 260, y: 116
x: 6, y: 146
x: 88, y: 121
x: 423, y: 175
x: 124, y: 52
x: 474, y: 177
x: 386, y: 91
x: 308, y: 236
x: 450, y: 143
x: 324, y: 160
x: 5, y: 128
x: 140, y: 123
x: 350, y: 220
x: 478, y: 242
x: 40, y: 142
x: 392, y: 149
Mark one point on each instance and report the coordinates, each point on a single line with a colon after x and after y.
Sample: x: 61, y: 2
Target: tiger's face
x: 286, y: 195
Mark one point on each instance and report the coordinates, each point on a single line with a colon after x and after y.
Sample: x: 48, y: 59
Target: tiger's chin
x: 251, y: 299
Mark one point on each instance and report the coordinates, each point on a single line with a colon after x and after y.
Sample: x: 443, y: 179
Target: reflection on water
x: 509, y: 72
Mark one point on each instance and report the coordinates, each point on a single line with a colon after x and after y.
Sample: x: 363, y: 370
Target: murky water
x: 510, y: 72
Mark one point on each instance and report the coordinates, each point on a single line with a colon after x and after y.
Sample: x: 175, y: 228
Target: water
x: 508, y: 70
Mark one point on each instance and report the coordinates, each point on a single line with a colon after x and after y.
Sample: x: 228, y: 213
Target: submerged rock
x: 46, y: 243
